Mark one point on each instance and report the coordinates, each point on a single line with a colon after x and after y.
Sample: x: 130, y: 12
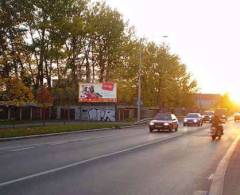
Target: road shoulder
x: 232, y: 176
x: 218, y: 183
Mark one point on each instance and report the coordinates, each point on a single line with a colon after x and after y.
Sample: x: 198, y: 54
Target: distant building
x: 206, y: 101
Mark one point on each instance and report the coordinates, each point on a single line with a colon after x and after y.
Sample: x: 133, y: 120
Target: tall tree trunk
x: 41, y: 59
x: 88, y: 71
x: 48, y: 72
x: 102, y: 69
x: 58, y: 70
x: 73, y: 60
x: 13, y: 53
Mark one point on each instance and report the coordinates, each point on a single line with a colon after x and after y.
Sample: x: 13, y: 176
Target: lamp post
x: 139, y: 83
x: 164, y: 37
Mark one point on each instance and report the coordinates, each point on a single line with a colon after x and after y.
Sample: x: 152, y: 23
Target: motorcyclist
x: 216, y: 122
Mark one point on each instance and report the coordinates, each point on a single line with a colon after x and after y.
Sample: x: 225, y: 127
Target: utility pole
x: 139, y: 84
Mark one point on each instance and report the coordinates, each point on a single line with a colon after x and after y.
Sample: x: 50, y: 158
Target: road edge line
x: 217, y: 185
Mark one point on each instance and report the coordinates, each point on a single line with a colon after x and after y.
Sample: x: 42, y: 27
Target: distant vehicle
x: 193, y: 119
x: 237, y: 116
x: 207, y: 116
x: 222, y: 113
x: 164, y: 121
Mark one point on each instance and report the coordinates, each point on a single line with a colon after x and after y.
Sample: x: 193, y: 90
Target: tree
x: 12, y: 45
x: 165, y: 81
x: 80, y: 41
x: 16, y: 93
x: 44, y: 99
x: 227, y: 103
x: 65, y: 95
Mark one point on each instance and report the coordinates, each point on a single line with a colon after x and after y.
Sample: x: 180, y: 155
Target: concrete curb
x: 66, y: 133
x: 217, y: 185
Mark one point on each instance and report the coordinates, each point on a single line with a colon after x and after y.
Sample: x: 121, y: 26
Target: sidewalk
x: 232, y: 176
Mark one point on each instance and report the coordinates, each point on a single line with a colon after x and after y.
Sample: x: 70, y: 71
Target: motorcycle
x: 216, y: 132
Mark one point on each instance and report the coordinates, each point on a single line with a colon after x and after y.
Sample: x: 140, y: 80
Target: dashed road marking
x: 21, y: 149
x: 200, y: 193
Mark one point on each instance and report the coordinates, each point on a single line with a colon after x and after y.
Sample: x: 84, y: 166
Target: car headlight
x: 166, y: 124
x: 151, y: 123
x: 195, y: 121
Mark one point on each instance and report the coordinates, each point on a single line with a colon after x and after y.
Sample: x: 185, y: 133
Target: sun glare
x: 235, y: 97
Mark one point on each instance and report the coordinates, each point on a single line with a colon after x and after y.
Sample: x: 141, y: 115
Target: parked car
x: 164, y: 121
x: 237, y: 116
x: 193, y: 119
x: 207, y: 116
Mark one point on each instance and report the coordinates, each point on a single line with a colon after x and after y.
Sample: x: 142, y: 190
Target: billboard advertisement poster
x: 99, y: 92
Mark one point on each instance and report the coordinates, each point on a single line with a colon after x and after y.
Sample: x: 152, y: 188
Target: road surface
x: 128, y: 161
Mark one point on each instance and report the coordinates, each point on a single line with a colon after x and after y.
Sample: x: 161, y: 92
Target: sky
x: 204, y: 33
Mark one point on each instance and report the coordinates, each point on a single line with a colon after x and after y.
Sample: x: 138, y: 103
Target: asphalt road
x: 128, y: 161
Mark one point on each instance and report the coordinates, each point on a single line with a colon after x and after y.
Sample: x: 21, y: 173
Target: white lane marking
x: 19, y: 146
x: 211, y: 177
x: 85, y: 161
x: 200, y: 193
x: 21, y: 149
x: 95, y: 158
x: 216, y: 187
x: 87, y: 139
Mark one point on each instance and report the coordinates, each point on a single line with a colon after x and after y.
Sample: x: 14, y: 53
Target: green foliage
x: 65, y: 94
x: 15, y: 92
x: 165, y: 81
x: 81, y: 41
x: 44, y: 97
x: 227, y: 103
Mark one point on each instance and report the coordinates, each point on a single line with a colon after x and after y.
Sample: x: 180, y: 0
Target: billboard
x: 100, y: 92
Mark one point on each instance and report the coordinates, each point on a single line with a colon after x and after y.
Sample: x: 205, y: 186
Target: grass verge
x: 40, y: 130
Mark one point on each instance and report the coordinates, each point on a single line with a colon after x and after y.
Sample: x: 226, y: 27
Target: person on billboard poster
x: 89, y: 93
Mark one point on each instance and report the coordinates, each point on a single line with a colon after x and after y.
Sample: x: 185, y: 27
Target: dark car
x: 237, y: 116
x: 164, y: 121
x: 193, y: 119
x: 207, y: 116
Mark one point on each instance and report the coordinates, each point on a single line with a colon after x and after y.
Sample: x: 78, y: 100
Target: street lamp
x: 165, y: 37
x: 139, y: 83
